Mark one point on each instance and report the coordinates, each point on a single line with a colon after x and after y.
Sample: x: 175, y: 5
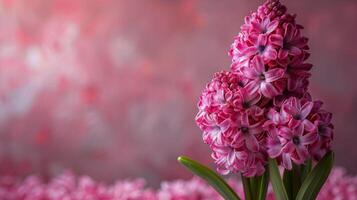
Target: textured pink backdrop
x: 109, y: 87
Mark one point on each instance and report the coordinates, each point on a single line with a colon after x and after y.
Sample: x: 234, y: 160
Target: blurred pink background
x: 109, y: 88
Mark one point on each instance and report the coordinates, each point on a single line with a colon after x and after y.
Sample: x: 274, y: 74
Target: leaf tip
x: 181, y: 159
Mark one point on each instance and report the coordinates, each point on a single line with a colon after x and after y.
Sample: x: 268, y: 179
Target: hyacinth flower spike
x: 259, y: 116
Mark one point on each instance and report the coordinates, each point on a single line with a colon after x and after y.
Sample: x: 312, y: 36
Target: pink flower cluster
x: 261, y: 108
x: 67, y: 186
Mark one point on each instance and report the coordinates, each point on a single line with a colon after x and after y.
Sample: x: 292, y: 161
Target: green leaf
x: 210, y: 176
x: 292, y: 181
x: 316, y: 178
x: 247, y: 188
x: 306, y: 169
x: 277, y: 183
x: 259, y: 185
x: 263, y: 186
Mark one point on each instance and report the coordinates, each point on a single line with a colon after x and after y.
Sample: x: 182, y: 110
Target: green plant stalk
x: 277, y: 183
x: 259, y: 186
x: 247, y: 188
x: 254, y: 186
x: 292, y: 181
x: 263, y: 186
x: 306, y: 169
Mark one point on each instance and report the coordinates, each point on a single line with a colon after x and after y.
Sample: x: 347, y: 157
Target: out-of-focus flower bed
x: 116, y: 81
x: 68, y: 186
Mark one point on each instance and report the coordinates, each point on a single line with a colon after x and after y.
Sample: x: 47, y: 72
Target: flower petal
x: 289, y: 32
x: 293, y: 50
x: 308, y: 138
x: 306, y: 109
x: 273, y: 75
x: 270, y: 53
x: 268, y: 90
x: 252, y: 143
x: 309, y: 126
x: 258, y: 65
x: 252, y: 87
x: 262, y: 40
x: 287, y: 161
x: 274, y: 147
x: 244, y: 120
x: 302, y: 153
x: 289, y: 147
x: 249, y: 73
x: 276, y: 39
x: 283, y: 53
x: 272, y: 26
x: 249, y: 51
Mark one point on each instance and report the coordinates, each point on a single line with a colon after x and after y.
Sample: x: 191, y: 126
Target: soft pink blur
x: 109, y: 87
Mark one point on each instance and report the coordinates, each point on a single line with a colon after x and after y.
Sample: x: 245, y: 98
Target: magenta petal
x: 273, y: 115
x: 308, y: 138
x: 255, y: 25
x: 285, y: 133
x: 262, y: 40
x: 309, y: 126
x: 252, y: 143
x: 289, y: 32
x: 249, y: 51
x: 272, y: 26
x: 306, y: 109
x: 231, y: 158
x: 288, y: 147
x: 273, y: 75
x: 274, y: 147
x: 292, y: 84
x: 291, y: 110
x: 270, y: 53
x: 249, y: 73
x: 252, y: 87
x: 287, y: 161
x: 253, y: 98
x: 268, y: 90
x: 283, y: 53
x: 258, y: 65
x: 302, y: 153
x: 295, y: 51
x: 256, y: 128
x: 244, y: 120
x: 238, y: 140
x: 328, y: 132
x: 276, y: 39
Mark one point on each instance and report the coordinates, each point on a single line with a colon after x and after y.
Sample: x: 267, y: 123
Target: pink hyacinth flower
x: 324, y: 130
x: 261, y: 79
x: 296, y: 70
x: 228, y: 159
x: 216, y: 126
x: 295, y: 145
x: 298, y: 113
x: 292, y: 43
x: 260, y: 47
x: 246, y: 134
x: 266, y: 26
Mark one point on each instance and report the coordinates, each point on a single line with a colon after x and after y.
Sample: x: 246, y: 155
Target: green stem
x: 263, y: 186
x: 306, y: 169
x: 247, y: 188
x: 292, y: 181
